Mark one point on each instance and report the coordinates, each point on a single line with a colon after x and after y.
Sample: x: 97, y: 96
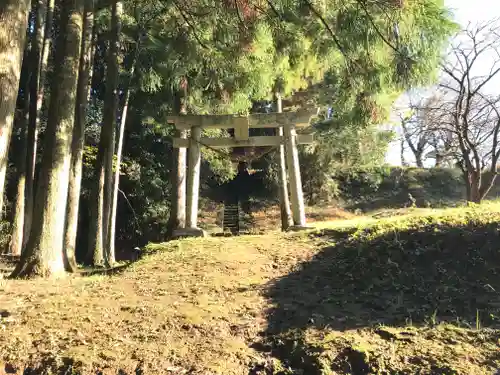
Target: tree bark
x: 418, y: 159
x: 473, y: 185
x: 16, y: 240
x: 465, y: 176
x: 96, y: 247
x: 116, y: 182
x: 77, y: 145
x: 13, y: 24
x: 109, y: 118
x: 44, y: 252
x: 402, y: 152
x: 39, y: 59
x: 286, y: 214
x: 475, y: 195
x: 100, y: 217
x: 21, y: 122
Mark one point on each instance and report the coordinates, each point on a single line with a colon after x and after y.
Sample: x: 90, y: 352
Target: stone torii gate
x: 288, y: 121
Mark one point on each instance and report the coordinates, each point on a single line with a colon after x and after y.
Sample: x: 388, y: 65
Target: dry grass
x: 319, y: 302
x: 193, y: 307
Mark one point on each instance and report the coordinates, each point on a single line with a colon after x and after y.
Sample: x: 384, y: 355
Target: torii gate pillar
x: 193, y: 178
x: 296, y: 193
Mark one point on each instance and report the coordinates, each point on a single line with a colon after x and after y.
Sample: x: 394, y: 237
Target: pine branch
x: 191, y: 26
x: 341, y: 48
x: 238, y: 13
x: 273, y: 8
x: 362, y: 3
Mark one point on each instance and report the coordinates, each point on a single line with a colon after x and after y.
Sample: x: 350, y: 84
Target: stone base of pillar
x: 188, y: 232
x: 298, y: 228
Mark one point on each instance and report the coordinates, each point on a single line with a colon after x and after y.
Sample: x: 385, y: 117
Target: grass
x: 406, y: 292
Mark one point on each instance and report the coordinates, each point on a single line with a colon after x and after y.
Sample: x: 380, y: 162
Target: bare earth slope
x: 419, y: 293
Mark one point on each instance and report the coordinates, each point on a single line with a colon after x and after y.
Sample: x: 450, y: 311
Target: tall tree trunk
x: 75, y: 176
x: 119, y: 150
x: 109, y: 119
x: 39, y: 59
x: 16, y: 240
x: 475, y: 196
x: 44, y: 254
x: 286, y: 214
x: 116, y: 182
x: 465, y: 176
x: 473, y: 182
x: 95, y: 252
x: 13, y: 24
x: 21, y: 122
x: 100, y: 217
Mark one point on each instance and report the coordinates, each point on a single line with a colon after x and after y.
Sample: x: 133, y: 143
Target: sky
x: 464, y: 11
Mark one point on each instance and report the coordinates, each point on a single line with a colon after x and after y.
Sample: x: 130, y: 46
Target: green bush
x: 367, y: 187
x: 379, y: 187
x: 318, y: 184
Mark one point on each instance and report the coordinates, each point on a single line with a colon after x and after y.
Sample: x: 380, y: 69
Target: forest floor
x: 400, y: 292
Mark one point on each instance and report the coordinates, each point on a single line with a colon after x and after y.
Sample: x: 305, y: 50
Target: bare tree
x: 469, y: 115
x: 427, y: 133
x: 416, y: 135
x: 422, y: 131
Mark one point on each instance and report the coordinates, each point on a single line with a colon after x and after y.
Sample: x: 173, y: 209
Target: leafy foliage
x: 208, y: 56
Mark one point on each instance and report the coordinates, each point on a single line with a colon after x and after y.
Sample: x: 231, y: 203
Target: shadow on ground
x: 413, y: 277
x: 60, y: 366
x: 9, y: 262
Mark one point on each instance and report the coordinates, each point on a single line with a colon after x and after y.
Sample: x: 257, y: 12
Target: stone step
x: 231, y: 218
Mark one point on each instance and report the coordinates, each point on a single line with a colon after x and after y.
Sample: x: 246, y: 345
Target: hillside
x: 418, y: 290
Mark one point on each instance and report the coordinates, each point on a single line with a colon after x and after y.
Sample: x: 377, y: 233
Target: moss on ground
x: 416, y: 292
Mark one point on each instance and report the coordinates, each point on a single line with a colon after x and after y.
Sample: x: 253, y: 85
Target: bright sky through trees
x: 464, y: 12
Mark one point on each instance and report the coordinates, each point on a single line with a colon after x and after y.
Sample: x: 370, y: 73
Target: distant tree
x: 421, y: 130
x: 465, y: 120
x: 415, y: 136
